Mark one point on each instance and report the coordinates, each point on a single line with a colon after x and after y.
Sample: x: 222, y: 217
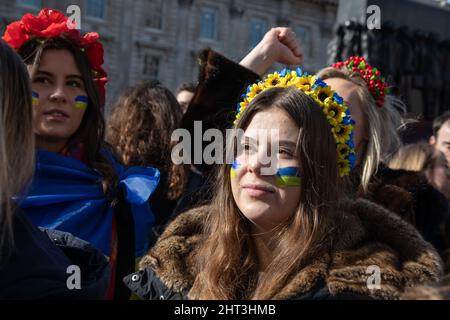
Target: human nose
x: 59, y: 95
x: 262, y: 162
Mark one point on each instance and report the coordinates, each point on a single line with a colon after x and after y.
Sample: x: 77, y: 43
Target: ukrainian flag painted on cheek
x: 35, y: 98
x: 81, y: 102
x: 234, y: 167
x: 288, y: 177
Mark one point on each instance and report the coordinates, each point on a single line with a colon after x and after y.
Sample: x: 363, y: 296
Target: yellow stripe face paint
x: 288, y: 177
x: 81, y: 102
x: 34, y: 98
x: 234, y: 167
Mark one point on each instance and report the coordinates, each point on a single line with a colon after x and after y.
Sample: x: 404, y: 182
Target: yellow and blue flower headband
x: 332, y: 105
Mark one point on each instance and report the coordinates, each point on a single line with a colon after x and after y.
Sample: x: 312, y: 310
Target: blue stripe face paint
x: 34, y: 98
x: 234, y: 167
x: 81, y: 102
x: 288, y: 177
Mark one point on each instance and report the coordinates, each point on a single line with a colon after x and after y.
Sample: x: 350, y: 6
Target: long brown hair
x: 140, y: 127
x: 227, y: 263
x: 92, y: 128
x: 16, y: 139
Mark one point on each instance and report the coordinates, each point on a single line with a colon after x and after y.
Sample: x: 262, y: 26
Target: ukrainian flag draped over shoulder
x: 67, y: 195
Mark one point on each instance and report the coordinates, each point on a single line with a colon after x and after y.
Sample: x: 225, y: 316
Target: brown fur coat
x: 367, y: 235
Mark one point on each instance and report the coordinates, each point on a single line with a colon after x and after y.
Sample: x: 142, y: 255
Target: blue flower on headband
x: 352, y: 159
x: 337, y: 98
x: 319, y: 83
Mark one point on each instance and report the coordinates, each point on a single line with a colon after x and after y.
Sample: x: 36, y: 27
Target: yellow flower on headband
x: 342, y: 132
x: 255, y: 90
x: 272, y: 80
x: 332, y: 106
x: 335, y: 112
x: 343, y: 150
x: 344, y: 167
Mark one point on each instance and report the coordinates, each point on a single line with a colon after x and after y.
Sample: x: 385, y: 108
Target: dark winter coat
x: 37, y: 267
x: 409, y: 195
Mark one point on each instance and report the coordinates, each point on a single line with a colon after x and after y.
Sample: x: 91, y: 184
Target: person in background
x: 441, y: 134
x: 140, y: 128
x: 185, y: 92
x: 423, y: 157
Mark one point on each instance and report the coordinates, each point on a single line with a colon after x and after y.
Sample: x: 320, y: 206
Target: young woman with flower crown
x: 375, y: 136
x: 79, y: 186
x: 291, y: 233
x: 33, y: 262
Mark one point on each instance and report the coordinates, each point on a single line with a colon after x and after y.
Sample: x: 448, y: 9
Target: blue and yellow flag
x: 66, y: 195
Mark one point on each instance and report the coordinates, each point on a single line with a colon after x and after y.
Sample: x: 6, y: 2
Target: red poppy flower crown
x: 375, y: 82
x: 51, y: 23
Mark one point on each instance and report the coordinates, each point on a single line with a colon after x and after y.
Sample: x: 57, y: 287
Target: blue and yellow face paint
x: 81, y: 102
x: 288, y: 177
x: 234, y: 167
x: 34, y: 98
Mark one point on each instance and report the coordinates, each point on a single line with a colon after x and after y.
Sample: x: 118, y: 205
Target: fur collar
x: 367, y: 235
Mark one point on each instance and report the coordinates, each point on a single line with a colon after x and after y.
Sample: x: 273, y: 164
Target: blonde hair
x: 16, y: 139
x: 413, y: 157
x: 227, y: 264
x: 383, y: 124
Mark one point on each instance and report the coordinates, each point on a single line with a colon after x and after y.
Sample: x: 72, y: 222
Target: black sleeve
x: 221, y: 83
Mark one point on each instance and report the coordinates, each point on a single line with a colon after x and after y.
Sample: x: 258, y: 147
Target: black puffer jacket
x: 37, y: 267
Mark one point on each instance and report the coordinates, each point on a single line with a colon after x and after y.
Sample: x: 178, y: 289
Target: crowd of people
x: 105, y: 195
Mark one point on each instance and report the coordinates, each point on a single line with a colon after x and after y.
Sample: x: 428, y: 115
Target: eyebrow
x: 43, y: 72
x: 287, y: 143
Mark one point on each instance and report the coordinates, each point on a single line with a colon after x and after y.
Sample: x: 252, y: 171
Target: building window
x: 304, y: 36
x: 153, y: 14
x: 258, y: 28
x: 208, y: 23
x: 151, y: 67
x: 30, y: 3
x: 95, y: 8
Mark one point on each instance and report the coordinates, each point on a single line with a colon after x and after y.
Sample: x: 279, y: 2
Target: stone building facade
x: 160, y: 39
